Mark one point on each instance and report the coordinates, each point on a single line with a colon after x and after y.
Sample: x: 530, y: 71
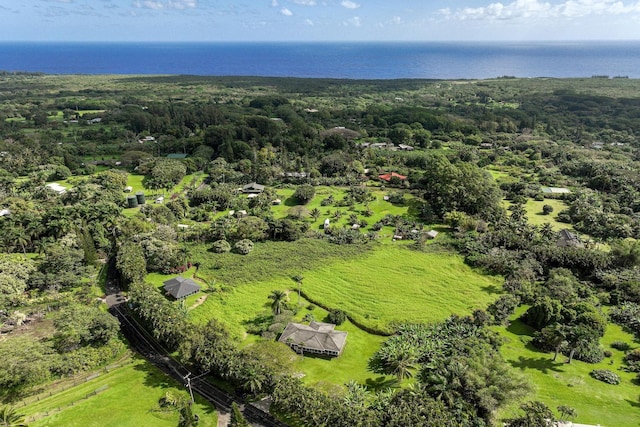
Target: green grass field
x: 558, y: 383
x: 394, y: 284
x: 377, y: 288
x: 141, y: 383
x: 536, y: 217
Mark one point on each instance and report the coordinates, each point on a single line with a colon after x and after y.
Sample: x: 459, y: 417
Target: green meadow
x: 559, y: 383
x: 98, y: 402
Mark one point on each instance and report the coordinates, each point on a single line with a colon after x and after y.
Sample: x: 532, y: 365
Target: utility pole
x: 188, y: 379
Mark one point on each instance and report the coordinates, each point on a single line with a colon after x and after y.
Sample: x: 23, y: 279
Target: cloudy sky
x: 318, y: 20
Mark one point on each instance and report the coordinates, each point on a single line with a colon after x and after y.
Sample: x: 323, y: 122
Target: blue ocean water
x: 334, y: 60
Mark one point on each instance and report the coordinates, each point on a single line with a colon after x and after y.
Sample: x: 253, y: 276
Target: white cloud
x: 274, y: 3
x: 170, y: 4
x: 286, y: 12
x: 536, y: 9
x: 304, y: 2
x: 396, y: 20
x: 353, y: 22
x: 350, y: 4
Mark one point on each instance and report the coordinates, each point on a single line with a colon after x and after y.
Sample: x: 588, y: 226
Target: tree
x: 131, y: 263
x: 536, y: 414
x: 237, y: 419
x: 337, y: 317
x: 298, y: 279
x: 9, y: 417
x: 567, y: 412
x: 547, y: 209
x: 252, y: 228
x: 278, y: 301
x: 304, y: 193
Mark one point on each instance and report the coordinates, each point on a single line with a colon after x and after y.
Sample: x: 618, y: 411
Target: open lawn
x: 99, y: 401
x: 536, y: 217
x: 379, y: 206
x: 558, y: 383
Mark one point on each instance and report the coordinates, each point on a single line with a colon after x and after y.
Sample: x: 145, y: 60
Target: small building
x: 276, y: 202
x: 327, y: 224
x: 5, y: 212
x: 241, y: 214
x: 568, y: 239
x: 555, y: 190
x: 254, y: 188
x: 160, y: 199
x: 405, y: 147
x: 54, y: 186
x: 180, y: 287
x: 128, y: 189
x: 316, y: 338
x: 252, y: 195
x: 387, y: 176
x: 432, y: 234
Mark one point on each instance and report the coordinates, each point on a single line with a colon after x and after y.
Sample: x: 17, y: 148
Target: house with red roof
x: 387, y: 176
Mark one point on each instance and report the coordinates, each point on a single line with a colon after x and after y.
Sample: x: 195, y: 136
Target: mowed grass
x: 126, y: 396
x: 378, y: 206
x: 326, y: 373
x: 536, y: 217
x: 558, y: 383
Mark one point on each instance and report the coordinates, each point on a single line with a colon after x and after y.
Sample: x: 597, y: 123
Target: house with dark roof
x: 387, y: 176
x: 316, y: 338
x: 568, y: 239
x: 180, y: 287
x: 253, y: 188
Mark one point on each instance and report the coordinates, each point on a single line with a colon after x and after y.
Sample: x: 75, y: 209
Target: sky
x: 318, y: 20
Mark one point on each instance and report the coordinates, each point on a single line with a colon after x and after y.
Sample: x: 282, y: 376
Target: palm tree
x: 567, y: 412
x: 298, y: 279
x: 10, y: 418
x: 279, y: 300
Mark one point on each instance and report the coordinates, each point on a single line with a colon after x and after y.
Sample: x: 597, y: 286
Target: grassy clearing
x: 395, y: 284
x: 536, y: 217
x: 141, y: 381
x: 558, y: 383
x: 378, y: 287
x: 379, y: 206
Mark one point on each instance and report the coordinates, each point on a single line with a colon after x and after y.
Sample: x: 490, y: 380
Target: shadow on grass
x: 492, y: 289
x: 291, y: 201
x: 153, y: 376
x: 381, y: 383
x: 633, y: 404
x: 516, y: 327
x: 542, y: 364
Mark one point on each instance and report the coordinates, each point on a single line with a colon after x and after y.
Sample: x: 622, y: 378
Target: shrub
x: 547, y: 209
x: 620, y: 345
x: 608, y: 353
x: 337, y: 317
x: 605, y: 376
x: 221, y: 246
x: 632, y: 359
x: 590, y: 352
x: 243, y: 247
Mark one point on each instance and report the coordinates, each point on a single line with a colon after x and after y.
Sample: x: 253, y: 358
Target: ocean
x: 450, y: 60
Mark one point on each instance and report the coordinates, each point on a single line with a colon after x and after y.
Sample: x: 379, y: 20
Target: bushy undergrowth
x: 605, y: 376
